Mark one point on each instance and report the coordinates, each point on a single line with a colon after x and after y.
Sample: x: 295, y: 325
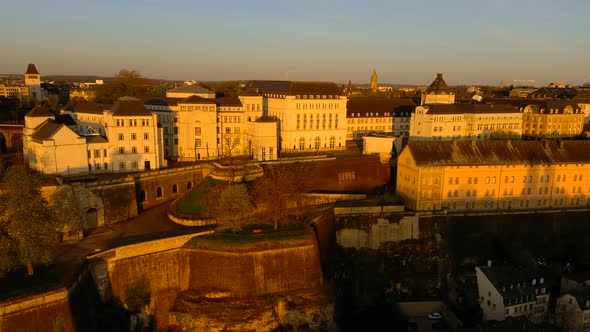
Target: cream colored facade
x: 463, y: 121
x: 552, y: 118
x: 262, y: 139
x: 515, y: 294
x: 20, y: 93
x: 312, y: 115
x: 494, y: 175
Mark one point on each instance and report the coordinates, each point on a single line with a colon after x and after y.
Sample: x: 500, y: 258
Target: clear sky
x: 407, y: 42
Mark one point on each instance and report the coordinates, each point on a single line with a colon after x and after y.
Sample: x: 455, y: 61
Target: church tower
x: 374, y: 80
x: 33, y: 82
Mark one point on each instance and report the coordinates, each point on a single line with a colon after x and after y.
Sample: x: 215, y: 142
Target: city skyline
x: 407, y: 43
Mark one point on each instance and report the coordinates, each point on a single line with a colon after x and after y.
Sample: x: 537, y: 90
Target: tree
x: 28, y: 227
x: 126, y: 83
x: 234, y: 204
x: 158, y: 90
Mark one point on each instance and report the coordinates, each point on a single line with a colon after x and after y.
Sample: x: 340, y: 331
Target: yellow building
x: 552, y: 118
x: 367, y: 115
x: 494, y: 175
x: 438, y: 92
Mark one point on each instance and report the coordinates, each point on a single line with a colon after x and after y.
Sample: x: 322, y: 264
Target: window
x: 133, y: 149
x: 475, y: 181
x: 134, y: 164
x: 197, y: 131
x: 174, y: 188
x: 469, y: 180
x: 487, y: 179
x: 456, y: 180
x: 121, y: 150
x: 263, y: 153
x: 494, y: 179
x: 122, y: 166
x: 332, y: 142
x: 133, y: 136
x: 146, y: 149
x: 96, y: 153
x: 104, y: 152
x: 159, y: 192
x: 146, y: 136
x: 228, y: 130
x: 175, y: 130
x: 270, y: 153
x: 121, y: 137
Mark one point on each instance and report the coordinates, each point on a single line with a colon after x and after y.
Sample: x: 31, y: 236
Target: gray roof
x: 438, y: 86
x: 65, y: 119
x: 515, y: 284
x: 38, y: 111
x: 470, y: 108
x: 293, y: 88
x: 91, y: 108
x: 196, y: 100
x: 548, y: 104
x: 129, y: 106
x: 195, y: 88
x: 46, y: 130
x: 160, y: 101
x: 456, y: 153
x: 379, y: 106
x: 95, y: 139
x: 228, y: 102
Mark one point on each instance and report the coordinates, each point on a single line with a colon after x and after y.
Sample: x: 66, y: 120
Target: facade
x: 262, y: 138
x: 495, y: 176
x: 552, y: 118
x: 311, y: 115
x: 379, y: 144
x: 93, y: 138
x: 438, y: 92
x: 573, y: 310
x: 377, y: 115
x: 464, y: 121
x: 512, y: 292
x: 583, y: 100
x: 30, y: 90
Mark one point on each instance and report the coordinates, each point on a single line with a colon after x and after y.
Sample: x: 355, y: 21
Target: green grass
x: 250, y: 242
x: 200, y: 202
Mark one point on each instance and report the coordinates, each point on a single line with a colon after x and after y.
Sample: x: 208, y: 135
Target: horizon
x: 406, y: 43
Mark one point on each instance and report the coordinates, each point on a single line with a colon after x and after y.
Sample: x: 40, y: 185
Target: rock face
x: 217, y: 310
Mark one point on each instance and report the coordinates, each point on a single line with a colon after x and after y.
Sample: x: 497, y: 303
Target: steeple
x: 374, y: 80
x: 33, y: 82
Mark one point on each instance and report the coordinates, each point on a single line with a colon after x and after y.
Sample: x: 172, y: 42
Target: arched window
x: 317, y: 141
x: 159, y: 192
x: 174, y: 188
x: 189, y: 185
x: 143, y: 195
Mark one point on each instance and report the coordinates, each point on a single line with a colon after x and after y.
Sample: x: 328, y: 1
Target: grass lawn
x: 251, y: 242
x: 202, y: 201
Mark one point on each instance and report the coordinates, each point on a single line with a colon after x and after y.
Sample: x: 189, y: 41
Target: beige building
x: 552, y: 118
x: 188, y: 89
x: 93, y: 138
x: 463, y: 121
x: 438, y: 92
x: 263, y: 138
x: 512, y: 292
x: 367, y: 115
x: 583, y: 100
x: 572, y: 311
x: 494, y: 175
x: 30, y: 90
x: 311, y: 115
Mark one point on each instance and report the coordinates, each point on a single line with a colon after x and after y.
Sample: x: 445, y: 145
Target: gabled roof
x: 46, y: 130
x: 129, y: 106
x: 438, y: 85
x: 92, y: 108
x: 95, y: 139
x: 515, y: 284
x: 196, y: 100
x: 451, y: 153
x: 379, y: 106
x: 31, y: 70
x: 293, y: 88
x: 193, y: 88
x: 228, y: 102
x: 38, y: 111
x: 470, y: 108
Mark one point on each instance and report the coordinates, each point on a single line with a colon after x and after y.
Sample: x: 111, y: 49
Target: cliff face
x: 215, y: 310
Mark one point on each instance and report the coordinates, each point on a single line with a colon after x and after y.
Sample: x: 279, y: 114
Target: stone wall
x: 47, y: 311
x: 383, y: 230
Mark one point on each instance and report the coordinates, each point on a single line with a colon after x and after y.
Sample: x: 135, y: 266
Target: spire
x: 374, y: 80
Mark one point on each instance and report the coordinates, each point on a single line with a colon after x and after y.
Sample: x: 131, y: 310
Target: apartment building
x: 506, y: 291
x: 366, y: 115
x: 494, y: 175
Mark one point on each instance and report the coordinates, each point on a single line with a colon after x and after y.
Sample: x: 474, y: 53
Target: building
x: 521, y: 92
x: 572, y: 311
x: 464, y: 121
x: 31, y: 90
x: 552, y: 118
x: 379, y: 144
x: 506, y: 291
x: 93, y: 138
x: 583, y: 100
x: 366, y: 115
x: 311, y: 115
x: 494, y: 175
x: 438, y: 92
x: 553, y: 92
x: 263, y: 138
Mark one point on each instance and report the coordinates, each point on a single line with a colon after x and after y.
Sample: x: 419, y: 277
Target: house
x: 507, y: 291
x: 572, y: 311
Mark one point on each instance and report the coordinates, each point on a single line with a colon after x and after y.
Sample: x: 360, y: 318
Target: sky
x: 406, y: 42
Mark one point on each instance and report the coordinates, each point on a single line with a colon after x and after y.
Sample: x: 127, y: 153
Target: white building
x: 367, y: 115
x: 93, y: 138
x: 263, y: 138
x: 464, y: 121
x: 311, y: 115
x: 512, y: 292
x: 380, y: 144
